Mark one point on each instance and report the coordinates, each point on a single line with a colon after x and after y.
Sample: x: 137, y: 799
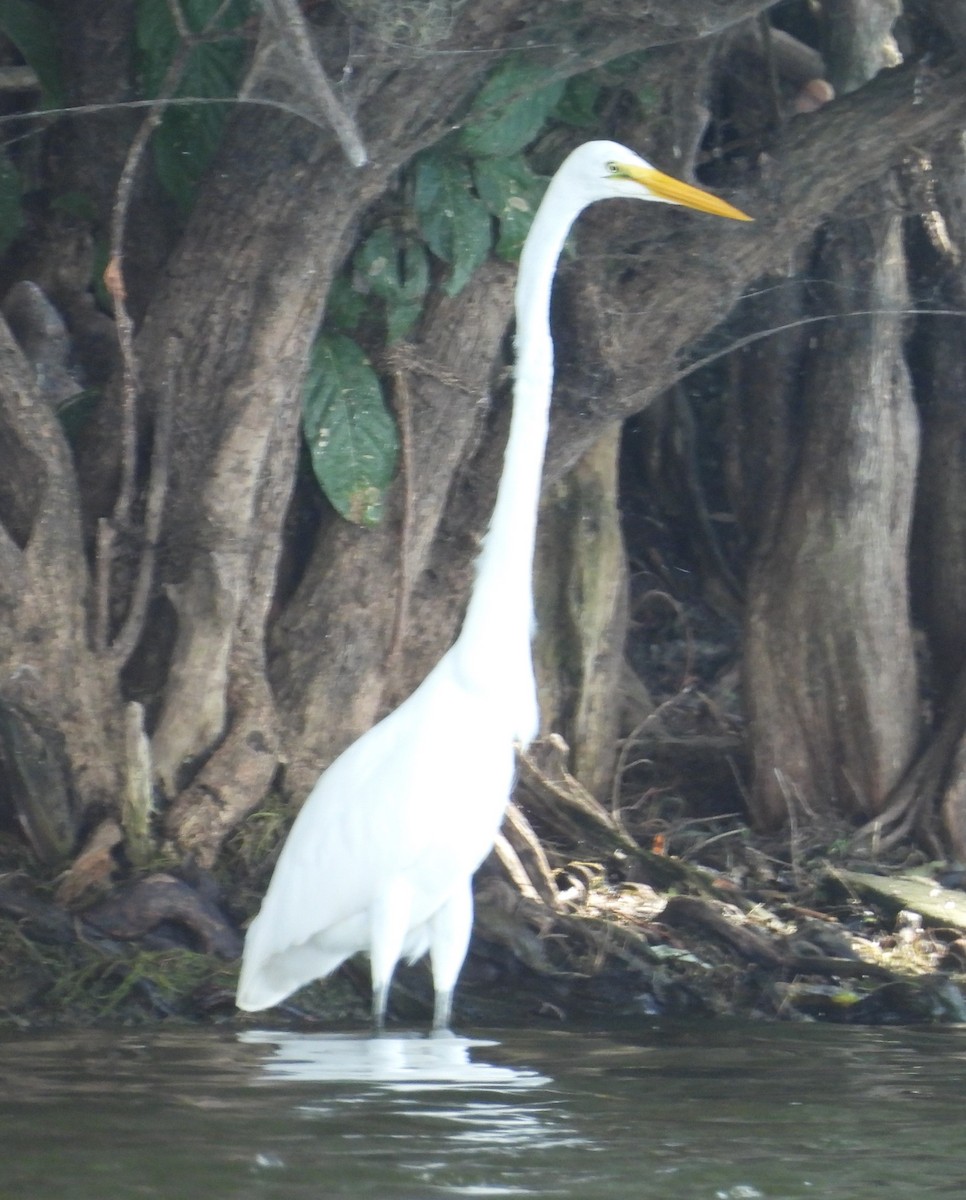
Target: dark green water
x: 709, y: 1112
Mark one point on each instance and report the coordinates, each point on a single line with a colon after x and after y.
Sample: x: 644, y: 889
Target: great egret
x: 382, y: 854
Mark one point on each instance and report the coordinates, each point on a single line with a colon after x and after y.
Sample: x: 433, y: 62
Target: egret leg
x: 389, y: 921
x: 380, y: 1002
x: 442, y: 1010
x: 449, y: 938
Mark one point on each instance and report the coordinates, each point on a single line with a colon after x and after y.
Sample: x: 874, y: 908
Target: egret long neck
x: 499, y: 619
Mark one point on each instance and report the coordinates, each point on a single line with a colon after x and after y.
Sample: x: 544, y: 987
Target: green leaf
x: 401, y: 316
x: 648, y: 98
x: 157, y: 36
x: 578, y: 104
x: 344, y: 306
x: 510, y: 110
x: 11, y: 210
x: 188, y: 137
x: 452, y: 219
x: 33, y: 30
x: 395, y: 268
x: 351, y: 435
x: 77, y: 204
x: 511, y: 192
x: 200, y: 14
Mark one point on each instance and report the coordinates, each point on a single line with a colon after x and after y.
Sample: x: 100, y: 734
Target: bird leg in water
x: 381, y: 855
x: 380, y: 999
x: 449, y: 937
x: 390, y: 919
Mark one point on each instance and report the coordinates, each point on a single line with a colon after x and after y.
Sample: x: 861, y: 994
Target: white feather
x: 382, y: 854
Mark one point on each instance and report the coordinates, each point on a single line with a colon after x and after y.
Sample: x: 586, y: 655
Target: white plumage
x: 382, y: 854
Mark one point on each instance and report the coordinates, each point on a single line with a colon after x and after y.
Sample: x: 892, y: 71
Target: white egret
x: 382, y: 854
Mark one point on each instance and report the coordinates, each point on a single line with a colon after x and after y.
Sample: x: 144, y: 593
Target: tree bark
x: 830, y: 673
x: 239, y: 673
x: 236, y: 385
x: 580, y: 595
x: 939, y: 545
x: 58, y: 698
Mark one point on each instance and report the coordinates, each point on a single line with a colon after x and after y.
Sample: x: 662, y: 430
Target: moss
x: 152, y: 981
x: 83, y: 982
x: 249, y: 855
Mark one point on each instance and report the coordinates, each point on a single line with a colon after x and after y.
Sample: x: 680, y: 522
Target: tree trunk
x: 236, y: 419
x: 61, y: 737
x: 580, y: 593
x: 939, y: 547
x: 208, y: 635
x: 330, y: 663
x: 830, y: 674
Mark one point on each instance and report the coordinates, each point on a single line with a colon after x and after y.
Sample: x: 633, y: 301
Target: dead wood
x: 139, y: 908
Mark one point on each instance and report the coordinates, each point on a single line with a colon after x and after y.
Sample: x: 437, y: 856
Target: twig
x: 181, y: 25
x: 570, y: 804
x: 628, y: 398
x: 515, y: 869
x: 402, y: 363
x: 404, y: 420
x: 521, y: 836
x: 111, y: 106
x: 121, y: 517
x: 122, y: 647
x: 130, y: 387
x: 632, y: 739
x: 291, y: 25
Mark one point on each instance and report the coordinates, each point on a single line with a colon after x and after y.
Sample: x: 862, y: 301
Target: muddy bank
x: 731, y: 925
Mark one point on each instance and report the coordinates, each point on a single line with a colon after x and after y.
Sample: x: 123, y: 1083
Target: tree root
x: 137, y: 910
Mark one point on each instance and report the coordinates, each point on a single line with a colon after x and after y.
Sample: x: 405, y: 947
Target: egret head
x: 606, y: 169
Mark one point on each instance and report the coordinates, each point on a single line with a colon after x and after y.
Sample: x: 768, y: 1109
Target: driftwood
x: 940, y: 907
x: 140, y: 908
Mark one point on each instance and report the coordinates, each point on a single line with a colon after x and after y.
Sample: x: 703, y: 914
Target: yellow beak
x: 666, y: 187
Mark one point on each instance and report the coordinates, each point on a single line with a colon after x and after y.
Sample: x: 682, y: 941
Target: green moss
x: 153, y: 980
x: 83, y: 982
x: 249, y: 855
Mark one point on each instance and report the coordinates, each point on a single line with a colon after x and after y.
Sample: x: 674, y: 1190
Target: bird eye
x: 613, y: 169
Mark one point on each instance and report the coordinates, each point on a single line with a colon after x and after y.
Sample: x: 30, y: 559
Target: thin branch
x: 122, y: 647
x: 121, y: 517
x: 103, y: 555
x: 181, y: 25
x: 130, y: 386
x: 627, y: 398
x: 82, y: 110
x: 404, y: 420
x: 295, y: 43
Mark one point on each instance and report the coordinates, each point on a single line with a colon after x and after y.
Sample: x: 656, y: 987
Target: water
x: 711, y: 1112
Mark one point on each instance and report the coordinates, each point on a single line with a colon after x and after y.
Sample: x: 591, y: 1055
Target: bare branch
x: 816, y: 163
x: 177, y: 16
x: 122, y: 647
x: 286, y: 52
x: 130, y: 385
